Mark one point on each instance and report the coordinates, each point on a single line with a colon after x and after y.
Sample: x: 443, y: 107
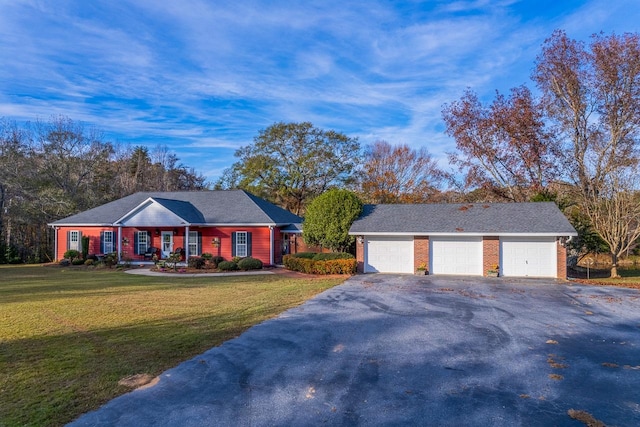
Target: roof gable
x: 477, y: 218
x: 159, y: 212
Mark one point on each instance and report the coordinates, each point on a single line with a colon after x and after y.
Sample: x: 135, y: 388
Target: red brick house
x: 514, y: 239
x: 224, y: 223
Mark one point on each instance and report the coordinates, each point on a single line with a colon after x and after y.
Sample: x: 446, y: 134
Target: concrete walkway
x: 148, y: 272
x: 409, y: 350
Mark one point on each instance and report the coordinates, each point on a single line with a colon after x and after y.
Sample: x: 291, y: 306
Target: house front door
x: 167, y: 244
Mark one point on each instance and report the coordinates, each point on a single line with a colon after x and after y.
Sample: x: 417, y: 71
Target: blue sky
x: 204, y: 77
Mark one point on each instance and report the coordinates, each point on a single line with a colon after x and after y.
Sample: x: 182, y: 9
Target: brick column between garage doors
x: 562, y: 261
x: 421, y: 252
x: 490, y: 253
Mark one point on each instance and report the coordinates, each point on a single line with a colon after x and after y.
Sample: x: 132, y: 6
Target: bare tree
x: 399, y: 174
x: 593, y: 96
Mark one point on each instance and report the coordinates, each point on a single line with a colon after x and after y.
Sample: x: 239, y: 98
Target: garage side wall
x: 421, y: 251
x: 491, y: 253
x: 562, y: 261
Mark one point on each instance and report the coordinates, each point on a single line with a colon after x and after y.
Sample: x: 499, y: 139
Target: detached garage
x: 515, y: 239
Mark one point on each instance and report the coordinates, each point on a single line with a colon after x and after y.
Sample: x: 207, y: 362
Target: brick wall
x: 562, y: 261
x: 360, y: 255
x: 420, y: 251
x: 490, y: 253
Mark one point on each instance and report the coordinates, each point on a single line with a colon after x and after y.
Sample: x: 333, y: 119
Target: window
x: 74, y: 240
x: 143, y: 241
x: 241, y: 244
x: 107, y: 242
x: 194, y: 243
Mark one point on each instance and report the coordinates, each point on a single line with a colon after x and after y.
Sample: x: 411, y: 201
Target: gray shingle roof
x: 476, y: 218
x: 196, y: 207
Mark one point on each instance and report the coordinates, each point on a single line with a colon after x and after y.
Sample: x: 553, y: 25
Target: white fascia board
x: 233, y: 225
x: 463, y: 234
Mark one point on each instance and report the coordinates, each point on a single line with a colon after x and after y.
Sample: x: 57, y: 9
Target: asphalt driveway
x: 407, y: 350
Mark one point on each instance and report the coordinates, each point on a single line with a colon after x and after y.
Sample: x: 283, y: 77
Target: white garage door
x: 528, y: 256
x: 388, y: 255
x: 456, y: 255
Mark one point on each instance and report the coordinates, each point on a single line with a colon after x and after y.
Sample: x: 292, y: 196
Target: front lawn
x: 630, y: 278
x: 67, y: 336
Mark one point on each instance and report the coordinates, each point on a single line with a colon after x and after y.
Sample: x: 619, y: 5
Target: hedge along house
x: 224, y: 223
x: 517, y: 239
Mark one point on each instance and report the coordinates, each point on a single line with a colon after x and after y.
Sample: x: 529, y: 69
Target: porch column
x: 186, y: 244
x: 120, y: 237
x: 271, y: 244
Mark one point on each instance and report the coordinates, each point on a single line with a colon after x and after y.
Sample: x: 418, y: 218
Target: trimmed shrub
x: 88, y: 262
x: 77, y: 262
x: 71, y: 254
x: 332, y: 255
x: 216, y: 260
x: 196, y: 262
x: 306, y: 255
x: 309, y: 266
x: 249, y: 263
x: 227, y: 266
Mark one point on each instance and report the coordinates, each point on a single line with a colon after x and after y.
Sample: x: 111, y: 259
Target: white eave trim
x: 82, y: 225
x: 550, y: 234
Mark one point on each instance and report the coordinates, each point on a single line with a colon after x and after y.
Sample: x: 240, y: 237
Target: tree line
x: 52, y: 169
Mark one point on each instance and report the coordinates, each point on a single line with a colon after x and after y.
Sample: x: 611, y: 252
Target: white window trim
x: 111, y: 242
x: 142, y: 249
x: 193, y: 243
x: 244, y: 246
x: 74, y: 244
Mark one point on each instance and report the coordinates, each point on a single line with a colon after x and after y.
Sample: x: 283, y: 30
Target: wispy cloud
x: 203, y: 77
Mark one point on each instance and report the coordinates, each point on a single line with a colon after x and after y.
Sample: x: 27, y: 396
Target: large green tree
x: 329, y: 217
x: 291, y: 163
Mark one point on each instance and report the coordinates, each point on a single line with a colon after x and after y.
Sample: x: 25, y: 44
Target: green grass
x: 67, y: 336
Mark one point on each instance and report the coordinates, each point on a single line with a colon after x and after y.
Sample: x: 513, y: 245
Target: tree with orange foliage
x: 504, y: 147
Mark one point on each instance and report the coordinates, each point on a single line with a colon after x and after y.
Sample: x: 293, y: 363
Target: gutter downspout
x: 271, y: 234
x: 55, y: 243
x: 186, y: 244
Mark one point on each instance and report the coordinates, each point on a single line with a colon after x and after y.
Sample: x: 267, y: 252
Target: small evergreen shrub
x: 249, y: 263
x: 207, y: 256
x: 216, y: 260
x: 71, y: 254
x: 236, y: 259
x: 89, y: 261
x: 196, y: 262
x: 77, y: 262
x: 227, y: 266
